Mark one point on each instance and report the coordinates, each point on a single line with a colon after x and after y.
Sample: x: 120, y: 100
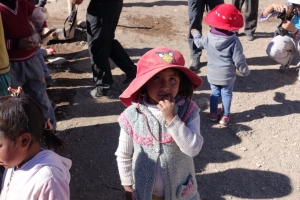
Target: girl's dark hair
x: 22, y: 114
x: 186, y: 87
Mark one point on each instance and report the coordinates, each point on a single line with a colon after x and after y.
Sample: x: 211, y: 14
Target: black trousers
x: 196, y: 9
x: 251, y: 14
x: 102, y: 19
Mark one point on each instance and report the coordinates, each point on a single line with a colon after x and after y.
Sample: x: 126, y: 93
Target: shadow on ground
x: 244, y: 183
x: 238, y: 182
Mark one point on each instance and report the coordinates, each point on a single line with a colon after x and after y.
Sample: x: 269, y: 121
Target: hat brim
x: 131, y: 93
x: 212, y: 21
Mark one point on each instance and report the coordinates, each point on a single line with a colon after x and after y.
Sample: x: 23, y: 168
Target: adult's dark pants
x: 251, y: 14
x: 102, y: 19
x: 40, y: 3
x: 195, y: 12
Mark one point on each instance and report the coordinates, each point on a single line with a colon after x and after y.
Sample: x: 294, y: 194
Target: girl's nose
x: 164, y: 83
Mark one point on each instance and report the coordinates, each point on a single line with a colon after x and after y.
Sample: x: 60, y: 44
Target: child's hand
x: 27, y: 43
x: 128, y: 188
x: 288, y: 25
x: 279, y: 7
x: 193, y: 30
x: 167, y: 108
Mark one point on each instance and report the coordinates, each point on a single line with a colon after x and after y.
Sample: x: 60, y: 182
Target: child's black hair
x: 22, y: 114
x: 186, y: 87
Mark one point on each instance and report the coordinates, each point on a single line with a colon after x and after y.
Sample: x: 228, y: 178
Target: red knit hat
x: 226, y: 17
x: 151, y: 63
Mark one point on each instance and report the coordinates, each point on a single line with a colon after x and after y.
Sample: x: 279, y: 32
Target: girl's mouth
x: 165, y: 96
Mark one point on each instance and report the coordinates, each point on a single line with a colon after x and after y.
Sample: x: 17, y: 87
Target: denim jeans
x: 216, y: 92
x: 42, y: 61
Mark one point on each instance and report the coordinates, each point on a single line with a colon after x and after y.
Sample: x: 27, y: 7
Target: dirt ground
x: 256, y: 157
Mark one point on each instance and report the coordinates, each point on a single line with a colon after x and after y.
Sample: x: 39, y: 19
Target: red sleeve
x: 30, y: 6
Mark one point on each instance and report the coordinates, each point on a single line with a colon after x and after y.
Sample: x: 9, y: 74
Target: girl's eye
x: 172, y: 79
x: 156, y: 78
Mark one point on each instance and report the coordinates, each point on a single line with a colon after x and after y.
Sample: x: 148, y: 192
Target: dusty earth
x: 256, y: 157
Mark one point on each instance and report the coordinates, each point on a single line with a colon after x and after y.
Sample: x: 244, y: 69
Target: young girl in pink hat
x: 160, y: 129
x: 225, y: 56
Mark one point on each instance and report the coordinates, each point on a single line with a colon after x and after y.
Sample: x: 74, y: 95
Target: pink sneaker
x: 224, y: 121
x: 215, y: 116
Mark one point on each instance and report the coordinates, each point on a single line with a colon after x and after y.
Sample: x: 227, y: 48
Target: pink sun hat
x: 226, y: 17
x: 151, y: 63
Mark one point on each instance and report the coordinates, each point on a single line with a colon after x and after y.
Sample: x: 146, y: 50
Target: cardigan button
x: 157, y: 150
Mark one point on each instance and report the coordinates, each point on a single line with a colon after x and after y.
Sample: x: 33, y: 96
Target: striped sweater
x: 16, y: 26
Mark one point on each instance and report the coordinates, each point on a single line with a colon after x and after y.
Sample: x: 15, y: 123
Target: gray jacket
x: 177, y: 168
x: 225, y: 56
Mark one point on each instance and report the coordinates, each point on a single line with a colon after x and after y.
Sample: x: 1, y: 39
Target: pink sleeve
x: 54, y: 189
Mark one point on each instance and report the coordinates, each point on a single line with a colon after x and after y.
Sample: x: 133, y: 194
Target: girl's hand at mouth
x: 167, y: 108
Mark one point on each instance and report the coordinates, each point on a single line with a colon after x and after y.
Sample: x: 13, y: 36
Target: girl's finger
x: 161, y: 102
x: 159, y: 106
x: 171, y: 98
